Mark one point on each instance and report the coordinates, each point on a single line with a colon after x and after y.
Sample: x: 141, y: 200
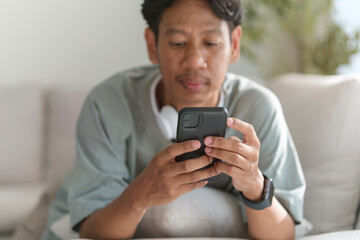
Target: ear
x: 151, y: 45
x: 235, y: 44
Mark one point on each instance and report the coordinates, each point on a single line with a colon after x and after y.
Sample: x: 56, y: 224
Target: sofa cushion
x: 63, y: 107
x: 357, y: 223
x: 342, y: 235
x: 323, y: 116
x: 21, y: 124
x: 16, y: 202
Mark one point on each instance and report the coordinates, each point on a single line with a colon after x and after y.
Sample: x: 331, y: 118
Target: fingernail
x: 208, y: 140
x: 208, y: 149
x: 196, y: 144
x: 230, y: 121
x: 210, y: 159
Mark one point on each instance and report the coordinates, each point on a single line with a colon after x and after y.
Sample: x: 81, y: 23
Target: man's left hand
x: 240, y: 158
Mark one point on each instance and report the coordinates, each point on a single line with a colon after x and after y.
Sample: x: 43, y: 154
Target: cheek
x: 219, y: 63
x: 167, y: 61
x: 220, y: 57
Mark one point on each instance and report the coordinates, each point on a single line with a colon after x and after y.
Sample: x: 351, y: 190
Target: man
x: 125, y: 164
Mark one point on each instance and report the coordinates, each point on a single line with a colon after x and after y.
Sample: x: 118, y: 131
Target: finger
x: 229, y: 170
x: 246, y: 129
x: 235, y: 138
x: 231, y: 158
x: 177, y: 149
x: 229, y: 145
x: 198, y: 175
x: 191, y: 165
x: 185, y: 188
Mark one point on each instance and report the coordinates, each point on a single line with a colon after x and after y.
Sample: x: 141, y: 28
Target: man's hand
x: 240, y: 158
x: 164, y: 179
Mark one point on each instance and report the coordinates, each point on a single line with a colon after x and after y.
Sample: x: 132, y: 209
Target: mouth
x: 193, y: 83
x: 193, y: 86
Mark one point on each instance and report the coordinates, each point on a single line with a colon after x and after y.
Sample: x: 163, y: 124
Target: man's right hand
x: 164, y: 179
x: 161, y: 182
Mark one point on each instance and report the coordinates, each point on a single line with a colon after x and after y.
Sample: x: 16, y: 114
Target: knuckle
x: 187, y: 166
x: 238, y: 146
x: 236, y: 158
x: 253, y: 168
x: 169, y: 151
x: 169, y: 190
x: 219, y: 141
x: 258, y: 143
x: 249, y: 128
x: 209, y: 160
x: 235, y: 138
x: 212, y: 171
x: 204, y: 160
x: 192, y: 178
x: 232, y: 170
x: 162, y: 174
x: 173, y: 193
x: 256, y: 155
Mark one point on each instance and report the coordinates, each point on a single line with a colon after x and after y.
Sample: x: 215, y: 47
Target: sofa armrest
x: 323, y: 117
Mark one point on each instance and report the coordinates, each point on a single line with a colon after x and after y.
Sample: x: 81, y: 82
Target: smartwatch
x: 267, y: 195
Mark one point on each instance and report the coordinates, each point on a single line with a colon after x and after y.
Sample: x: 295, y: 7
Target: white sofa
x: 37, y: 149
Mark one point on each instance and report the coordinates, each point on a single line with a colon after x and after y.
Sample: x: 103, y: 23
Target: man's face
x: 193, y: 50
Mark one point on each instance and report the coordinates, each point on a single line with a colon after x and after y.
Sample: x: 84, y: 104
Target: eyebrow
x: 174, y: 31
x: 178, y: 31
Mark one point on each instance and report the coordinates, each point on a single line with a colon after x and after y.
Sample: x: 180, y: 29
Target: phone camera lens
x: 186, y: 124
x: 187, y: 117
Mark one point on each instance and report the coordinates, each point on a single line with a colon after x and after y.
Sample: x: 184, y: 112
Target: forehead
x: 190, y: 15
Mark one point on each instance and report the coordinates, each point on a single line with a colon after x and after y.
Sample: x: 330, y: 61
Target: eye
x: 177, y: 44
x: 212, y: 44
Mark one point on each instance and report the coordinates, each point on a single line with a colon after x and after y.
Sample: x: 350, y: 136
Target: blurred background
x: 85, y: 41
x: 53, y: 52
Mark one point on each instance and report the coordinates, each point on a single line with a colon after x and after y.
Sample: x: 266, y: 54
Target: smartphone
x: 196, y: 123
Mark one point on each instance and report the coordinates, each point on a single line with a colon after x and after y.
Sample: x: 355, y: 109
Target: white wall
x: 71, y: 42
x: 67, y: 42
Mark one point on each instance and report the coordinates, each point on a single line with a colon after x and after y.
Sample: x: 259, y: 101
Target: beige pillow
x: 205, y: 212
x: 323, y: 114
x: 35, y: 223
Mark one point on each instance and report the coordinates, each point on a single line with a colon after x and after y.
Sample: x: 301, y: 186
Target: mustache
x: 195, y: 75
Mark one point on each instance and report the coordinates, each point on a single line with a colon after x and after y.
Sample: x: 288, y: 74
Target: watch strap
x: 267, y: 195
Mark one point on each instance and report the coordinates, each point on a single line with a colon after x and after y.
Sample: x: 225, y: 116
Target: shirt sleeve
x: 100, y: 173
x: 278, y: 158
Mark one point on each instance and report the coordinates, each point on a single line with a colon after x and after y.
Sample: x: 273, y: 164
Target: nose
x: 194, y: 59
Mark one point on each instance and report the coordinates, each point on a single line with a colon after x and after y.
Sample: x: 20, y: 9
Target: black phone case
x: 211, y: 122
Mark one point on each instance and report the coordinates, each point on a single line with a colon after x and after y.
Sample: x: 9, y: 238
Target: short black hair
x: 229, y: 10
